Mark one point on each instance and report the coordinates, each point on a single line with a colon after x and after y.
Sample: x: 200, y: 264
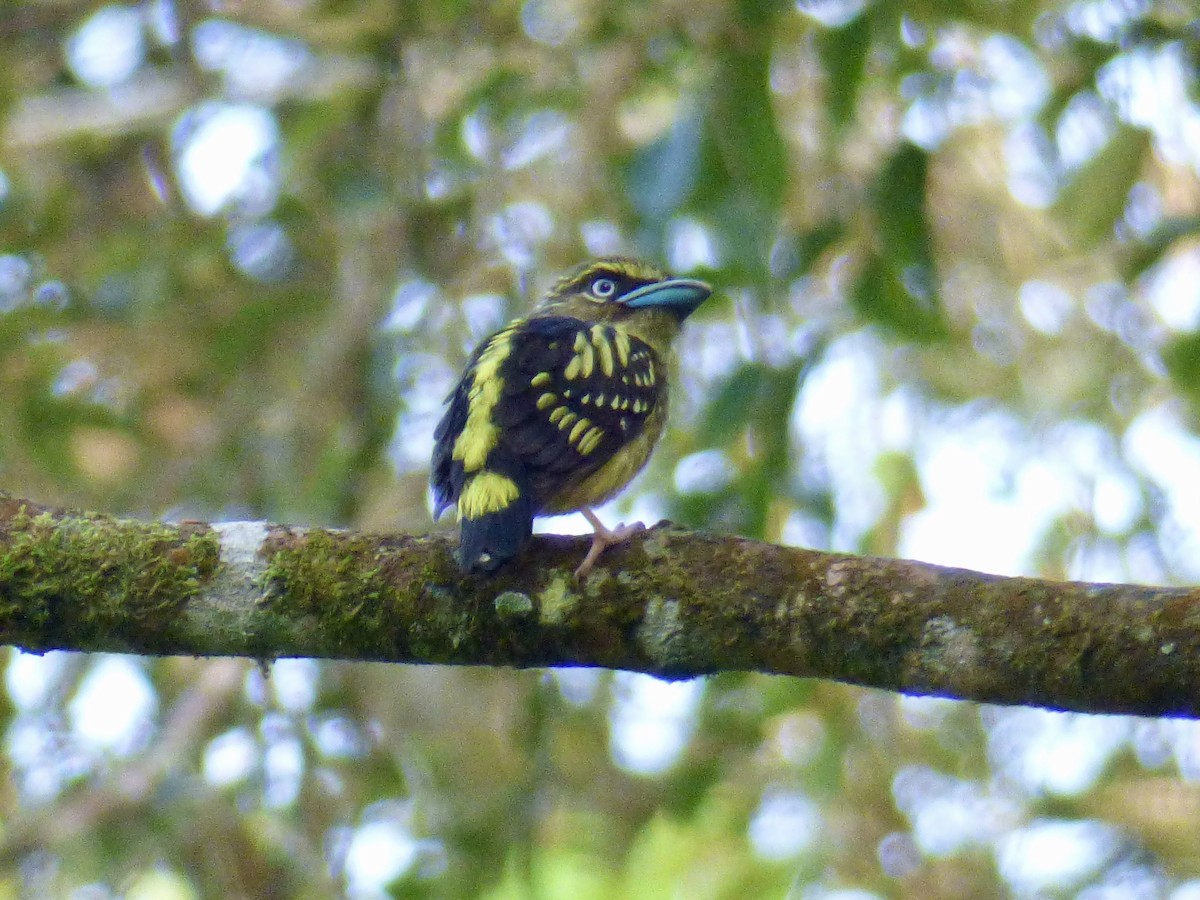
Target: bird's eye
x: 603, y: 288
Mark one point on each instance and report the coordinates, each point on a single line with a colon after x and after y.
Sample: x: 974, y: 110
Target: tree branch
x: 671, y: 602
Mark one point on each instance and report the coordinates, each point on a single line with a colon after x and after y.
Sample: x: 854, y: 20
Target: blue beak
x: 678, y: 295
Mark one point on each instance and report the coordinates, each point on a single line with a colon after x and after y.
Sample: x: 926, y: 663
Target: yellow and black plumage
x: 558, y: 410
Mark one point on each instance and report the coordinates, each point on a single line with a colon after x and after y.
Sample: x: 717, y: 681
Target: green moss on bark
x: 377, y: 597
x: 67, y: 579
x: 333, y: 586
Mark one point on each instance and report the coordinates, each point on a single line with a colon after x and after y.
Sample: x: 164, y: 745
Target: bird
x: 558, y: 410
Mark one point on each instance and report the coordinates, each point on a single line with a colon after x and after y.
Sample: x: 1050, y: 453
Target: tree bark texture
x: 670, y: 602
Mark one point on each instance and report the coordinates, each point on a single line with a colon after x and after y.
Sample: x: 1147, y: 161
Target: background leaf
x: 1095, y: 197
x: 844, y: 55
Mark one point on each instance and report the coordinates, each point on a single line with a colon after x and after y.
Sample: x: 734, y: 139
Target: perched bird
x: 558, y: 410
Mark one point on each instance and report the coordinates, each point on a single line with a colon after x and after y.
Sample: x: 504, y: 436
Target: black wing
x: 494, y: 498
x: 574, y: 395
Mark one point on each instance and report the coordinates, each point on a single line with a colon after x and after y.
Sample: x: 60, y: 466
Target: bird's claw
x: 602, y: 539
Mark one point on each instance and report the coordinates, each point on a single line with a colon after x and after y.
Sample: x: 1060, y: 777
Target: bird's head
x: 621, y: 290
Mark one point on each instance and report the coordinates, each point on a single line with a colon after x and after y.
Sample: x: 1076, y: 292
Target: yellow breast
x: 608, y: 480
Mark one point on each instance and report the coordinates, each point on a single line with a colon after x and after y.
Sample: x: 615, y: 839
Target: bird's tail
x: 496, y: 516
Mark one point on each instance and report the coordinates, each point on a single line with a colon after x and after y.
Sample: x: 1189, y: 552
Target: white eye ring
x: 603, y: 288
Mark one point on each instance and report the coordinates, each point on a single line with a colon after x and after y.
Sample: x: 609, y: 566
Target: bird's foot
x: 602, y: 539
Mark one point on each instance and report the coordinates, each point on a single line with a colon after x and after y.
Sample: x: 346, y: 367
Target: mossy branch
x: 671, y: 602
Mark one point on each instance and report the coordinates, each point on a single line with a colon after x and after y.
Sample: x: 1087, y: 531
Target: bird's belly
x: 608, y: 480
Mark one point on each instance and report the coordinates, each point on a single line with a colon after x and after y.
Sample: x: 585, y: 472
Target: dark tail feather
x: 488, y: 542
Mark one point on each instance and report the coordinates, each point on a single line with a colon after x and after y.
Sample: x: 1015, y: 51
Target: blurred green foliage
x: 943, y: 235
